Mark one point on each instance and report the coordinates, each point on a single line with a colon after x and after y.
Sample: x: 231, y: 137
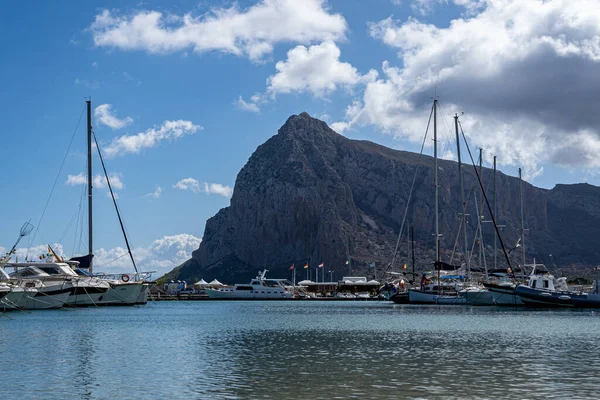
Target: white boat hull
x: 48, y: 297
x: 230, y: 294
x: 143, y: 296
x: 16, y: 298
x: 506, y: 299
x: 87, y: 294
x: 419, y: 297
x: 479, y: 297
x: 121, y: 293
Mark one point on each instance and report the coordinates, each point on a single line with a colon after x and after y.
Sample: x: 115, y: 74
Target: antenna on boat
x: 89, y: 179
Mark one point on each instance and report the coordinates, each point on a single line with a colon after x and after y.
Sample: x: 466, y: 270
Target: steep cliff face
x: 311, y: 195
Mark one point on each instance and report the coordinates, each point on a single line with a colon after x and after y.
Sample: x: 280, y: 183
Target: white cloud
x: 523, y: 72
x: 105, y: 116
x: 251, y: 32
x: 169, y: 130
x: 247, y: 106
x: 190, y: 184
x: 195, y: 186
x: 156, y: 194
x: 161, y: 255
x: 316, y: 69
x: 90, y: 84
x: 98, y: 181
x: 95, y: 64
x: 217, y: 188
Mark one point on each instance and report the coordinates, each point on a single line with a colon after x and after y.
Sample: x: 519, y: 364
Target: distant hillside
x: 311, y: 195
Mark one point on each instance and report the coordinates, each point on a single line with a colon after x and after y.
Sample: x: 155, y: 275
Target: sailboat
x: 76, y: 274
x: 123, y: 290
x: 435, y: 291
x: 502, y: 286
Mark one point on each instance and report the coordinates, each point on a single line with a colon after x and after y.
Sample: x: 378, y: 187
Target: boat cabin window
x: 533, y: 284
x: 50, y: 270
x: 271, y: 283
x: 28, y: 271
x: 244, y: 288
x: 546, y: 284
x: 255, y: 282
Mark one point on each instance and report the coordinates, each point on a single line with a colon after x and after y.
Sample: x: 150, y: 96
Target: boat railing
x: 125, y: 277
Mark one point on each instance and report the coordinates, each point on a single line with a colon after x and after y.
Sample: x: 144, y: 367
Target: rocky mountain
x: 311, y: 195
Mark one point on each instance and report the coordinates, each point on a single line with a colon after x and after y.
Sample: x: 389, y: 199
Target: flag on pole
x: 347, y: 262
x: 321, y: 265
x: 305, y: 265
x: 292, y: 267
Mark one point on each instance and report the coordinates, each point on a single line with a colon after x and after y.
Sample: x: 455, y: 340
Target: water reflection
x: 300, y: 350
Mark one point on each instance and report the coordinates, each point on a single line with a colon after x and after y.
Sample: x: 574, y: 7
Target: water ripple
x: 240, y: 350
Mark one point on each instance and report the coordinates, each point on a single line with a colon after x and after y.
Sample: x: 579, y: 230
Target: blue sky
x: 230, y: 76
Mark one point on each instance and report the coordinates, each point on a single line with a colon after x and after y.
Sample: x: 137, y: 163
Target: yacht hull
x: 14, y: 299
x: 419, y: 297
x: 86, y: 295
x: 220, y: 294
x: 504, y: 295
x: 48, y: 298
x: 541, y: 298
x: 400, y: 298
x: 143, y: 296
x: 479, y: 297
x: 122, y: 294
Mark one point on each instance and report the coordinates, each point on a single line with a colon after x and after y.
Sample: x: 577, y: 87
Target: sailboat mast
x: 89, y: 176
x: 412, y: 249
x: 462, y: 199
x: 435, y: 167
x: 480, y: 212
x: 522, y: 219
x: 496, y: 216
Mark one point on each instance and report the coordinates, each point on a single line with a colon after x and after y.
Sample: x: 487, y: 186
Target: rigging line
x: 112, y: 194
x: 111, y: 261
x: 463, y: 222
x: 487, y: 202
x: 79, y: 222
x: 55, y: 181
x: 68, y: 227
x: 410, y: 193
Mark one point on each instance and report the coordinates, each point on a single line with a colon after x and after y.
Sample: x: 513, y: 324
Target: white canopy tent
x: 202, y: 282
x: 215, y: 282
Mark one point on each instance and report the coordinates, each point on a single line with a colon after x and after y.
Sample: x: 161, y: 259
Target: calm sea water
x: 286, y: 350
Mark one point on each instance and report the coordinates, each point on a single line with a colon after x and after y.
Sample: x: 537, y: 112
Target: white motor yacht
x: 85, y: 291
x: 51, y: 293
x: 259, y: 288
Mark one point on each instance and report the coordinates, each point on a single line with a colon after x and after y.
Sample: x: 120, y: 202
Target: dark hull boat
x: 400, y: 298
x: 544, y: 298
